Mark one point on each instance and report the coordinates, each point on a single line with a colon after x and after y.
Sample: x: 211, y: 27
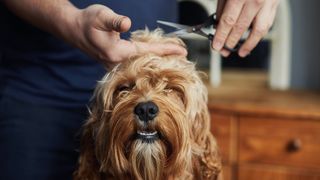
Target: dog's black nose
x: 146, y: 111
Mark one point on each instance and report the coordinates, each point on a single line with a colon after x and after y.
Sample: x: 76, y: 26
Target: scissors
x: 197, y: 29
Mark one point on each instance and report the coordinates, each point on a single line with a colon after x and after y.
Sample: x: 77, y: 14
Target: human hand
x: 97, y: 32
x: 235, y: 17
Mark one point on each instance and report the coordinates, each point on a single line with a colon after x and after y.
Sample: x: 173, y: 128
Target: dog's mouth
x: 147, y: 137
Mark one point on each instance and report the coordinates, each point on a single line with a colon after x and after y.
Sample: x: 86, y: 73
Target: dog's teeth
x: 147, y: 133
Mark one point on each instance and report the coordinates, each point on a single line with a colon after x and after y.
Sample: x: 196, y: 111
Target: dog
x: 149, y: 120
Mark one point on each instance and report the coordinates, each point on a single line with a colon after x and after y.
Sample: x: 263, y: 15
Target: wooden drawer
x: 221, y: 129
x: 280, y: 141
x: 265, y: 172
x: 226, y: 173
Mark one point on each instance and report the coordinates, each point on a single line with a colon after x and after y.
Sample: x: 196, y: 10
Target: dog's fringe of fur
x: 156, y: 36
x: 102, y: 150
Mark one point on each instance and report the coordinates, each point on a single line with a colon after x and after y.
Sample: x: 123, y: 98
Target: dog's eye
x: 167, y: 90
x: 173, y: 90
x: 124, y: 87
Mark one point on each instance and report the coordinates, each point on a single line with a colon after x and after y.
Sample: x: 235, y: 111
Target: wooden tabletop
x: 247, y: 92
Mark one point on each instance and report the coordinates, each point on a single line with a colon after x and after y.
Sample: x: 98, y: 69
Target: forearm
x: 95, y: 30
x: 53, y: 16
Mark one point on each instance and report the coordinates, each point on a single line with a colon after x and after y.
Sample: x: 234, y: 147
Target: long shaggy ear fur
x: 206, y: 146
x: 101, y: 105
x: 88, y: 164
x: 207, y: 163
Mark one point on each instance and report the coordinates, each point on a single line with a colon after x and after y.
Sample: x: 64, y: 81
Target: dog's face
x: 150, y: 119
x: 149, y: 105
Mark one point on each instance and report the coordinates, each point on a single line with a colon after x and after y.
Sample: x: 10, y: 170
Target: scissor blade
x: 174, y: 25
x: 179, y: 32
x: 201, y: 33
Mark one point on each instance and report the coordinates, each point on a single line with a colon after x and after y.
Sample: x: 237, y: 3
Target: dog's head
x: 149, y: 118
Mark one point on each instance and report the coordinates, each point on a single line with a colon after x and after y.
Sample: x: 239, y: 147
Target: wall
x: 305, y: 72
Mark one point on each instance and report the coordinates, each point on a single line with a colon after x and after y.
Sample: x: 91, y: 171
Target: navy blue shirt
x: 39, y: 68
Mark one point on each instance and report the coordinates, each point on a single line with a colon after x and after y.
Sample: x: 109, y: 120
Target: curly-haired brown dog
x: 149, y: 120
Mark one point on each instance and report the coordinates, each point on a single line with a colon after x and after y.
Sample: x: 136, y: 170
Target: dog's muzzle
x: 146, y: 111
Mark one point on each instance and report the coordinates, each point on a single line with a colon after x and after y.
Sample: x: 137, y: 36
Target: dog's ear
x: 88, y: 165
x: 205, y: 146
x: 100, y: 106
x: 103, y: 94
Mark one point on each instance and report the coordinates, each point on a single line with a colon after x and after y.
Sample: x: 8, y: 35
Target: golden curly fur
x: 186, y: 148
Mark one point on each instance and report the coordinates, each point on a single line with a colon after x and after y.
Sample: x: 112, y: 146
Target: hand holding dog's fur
x: 149, y: 120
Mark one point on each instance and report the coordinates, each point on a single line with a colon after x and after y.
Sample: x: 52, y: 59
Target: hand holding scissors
x: 197, y: 29
x: 235, y: 16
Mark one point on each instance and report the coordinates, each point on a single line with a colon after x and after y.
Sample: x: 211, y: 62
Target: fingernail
x: 184, y: 52
x: 217, y: 45
x: 243, y: 53
x: 224, y: 53
x: 116, y: 24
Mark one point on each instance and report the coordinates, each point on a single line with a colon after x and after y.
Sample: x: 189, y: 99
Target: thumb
x: 116, y: 22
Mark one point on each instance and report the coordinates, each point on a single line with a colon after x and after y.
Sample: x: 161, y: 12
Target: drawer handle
x: 294, y: 145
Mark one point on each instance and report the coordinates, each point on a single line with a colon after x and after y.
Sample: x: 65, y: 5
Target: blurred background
x: 265, y: 108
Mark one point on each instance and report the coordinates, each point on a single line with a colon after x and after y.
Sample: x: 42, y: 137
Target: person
x: 53, y: 52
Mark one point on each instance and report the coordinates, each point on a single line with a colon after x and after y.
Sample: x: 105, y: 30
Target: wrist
x: 67, y: 22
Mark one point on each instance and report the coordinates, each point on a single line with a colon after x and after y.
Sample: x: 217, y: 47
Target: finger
x: 228, y: 18
x: 161, y: 49
x: 126, y: 49
x: 113, y: 21
x: 260, y: 29
x: 249, y: 11
x: 121, y: 23
x: 274, y: 12
x: 224, y: 53
x: 220, y: 6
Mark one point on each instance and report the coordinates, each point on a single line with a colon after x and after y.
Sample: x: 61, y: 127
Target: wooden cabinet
x: 288, y: 142
x: 271, y: 172
x: 223, y: 133
x: 266, y: 135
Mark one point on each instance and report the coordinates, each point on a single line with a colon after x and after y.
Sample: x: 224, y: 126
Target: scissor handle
x: 235, y: 49
x: 211, y: 20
